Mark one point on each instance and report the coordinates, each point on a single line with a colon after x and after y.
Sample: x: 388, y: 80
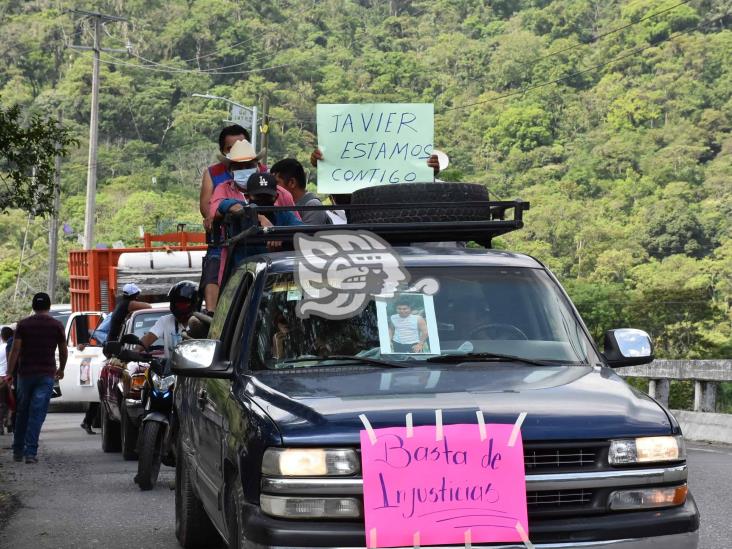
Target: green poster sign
x: 373, y: 144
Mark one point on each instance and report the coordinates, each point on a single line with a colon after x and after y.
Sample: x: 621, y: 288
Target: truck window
x: 81, y: 329
x: 512, y: 311
x: 142, y: 322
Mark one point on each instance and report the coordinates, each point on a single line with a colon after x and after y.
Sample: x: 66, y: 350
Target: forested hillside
x: 613, y: 118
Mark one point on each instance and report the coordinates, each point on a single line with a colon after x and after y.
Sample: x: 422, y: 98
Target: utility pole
x: 264, y: 128
x: 53, y: 229
x: 91, y: 175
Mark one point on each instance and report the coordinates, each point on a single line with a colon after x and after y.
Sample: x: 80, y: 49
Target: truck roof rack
x: 482, y: 231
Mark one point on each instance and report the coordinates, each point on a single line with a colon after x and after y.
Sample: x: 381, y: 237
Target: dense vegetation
x: 612, y: 117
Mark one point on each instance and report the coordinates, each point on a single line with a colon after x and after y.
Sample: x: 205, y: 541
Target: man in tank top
x: 407, y: 331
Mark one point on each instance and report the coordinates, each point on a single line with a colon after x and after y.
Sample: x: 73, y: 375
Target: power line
x: 213, y: 53
x: 567, y: 77
x: 606, y: 34
x: 594, y: 40
x: 115, y: 61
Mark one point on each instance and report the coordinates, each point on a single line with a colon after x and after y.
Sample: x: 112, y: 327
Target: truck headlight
x: 646, y: 450
x: 648, y: 498
x: 307, y: 507
x: 309, y: 462
x: 163, y: 384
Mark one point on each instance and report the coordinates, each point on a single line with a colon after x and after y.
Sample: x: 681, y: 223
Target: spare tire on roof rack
x: 412, y: 193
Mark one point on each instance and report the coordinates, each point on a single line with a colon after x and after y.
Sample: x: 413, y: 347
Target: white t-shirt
x: 406, y: 329
x: 170, y: 331
x: 3, y: 360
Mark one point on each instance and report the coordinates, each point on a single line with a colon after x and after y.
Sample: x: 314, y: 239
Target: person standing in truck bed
x: 213, y: 176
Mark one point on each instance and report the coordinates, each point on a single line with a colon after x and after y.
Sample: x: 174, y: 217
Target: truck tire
x: 151, y: 450
x: 193, y: 528
x: 110, y: 432
x: 409, y: 193
x: 234, y: 514
x: 128, y: 437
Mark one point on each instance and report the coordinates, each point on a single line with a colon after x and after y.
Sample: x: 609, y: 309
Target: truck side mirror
x: 201, y: 358
x: 112, y: 349
x: 627, y: 347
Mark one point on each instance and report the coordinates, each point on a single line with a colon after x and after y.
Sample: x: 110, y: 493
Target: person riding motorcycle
x: 184, y: 301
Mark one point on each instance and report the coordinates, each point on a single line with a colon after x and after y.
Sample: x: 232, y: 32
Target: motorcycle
x: 154, y: 443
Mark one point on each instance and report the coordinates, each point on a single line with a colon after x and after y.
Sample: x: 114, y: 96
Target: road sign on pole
x: 240, y: 115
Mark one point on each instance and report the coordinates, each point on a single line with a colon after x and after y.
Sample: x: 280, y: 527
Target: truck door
x: 211, y: 396
x: 85, y: 359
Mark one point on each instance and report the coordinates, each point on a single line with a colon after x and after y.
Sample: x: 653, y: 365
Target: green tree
x: 27, y: 160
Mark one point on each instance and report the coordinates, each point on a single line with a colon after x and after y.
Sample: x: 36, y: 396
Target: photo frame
x: 85, y: 372
x: 407, y: 324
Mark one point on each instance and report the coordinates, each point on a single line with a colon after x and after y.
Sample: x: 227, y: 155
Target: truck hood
x: 317, y: 406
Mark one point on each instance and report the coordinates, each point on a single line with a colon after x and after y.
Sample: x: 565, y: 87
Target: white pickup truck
x: 79, y: 384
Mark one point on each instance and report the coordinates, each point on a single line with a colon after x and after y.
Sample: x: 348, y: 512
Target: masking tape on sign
x: 369, y: 429
x: 410, y: 426
x: 438, y: 425
x: 516, y: 429
x: 481, y: 425
x: 524, y: 536
x: 372, y: 538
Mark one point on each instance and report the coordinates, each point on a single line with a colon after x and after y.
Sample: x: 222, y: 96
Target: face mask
x: 241, y: 176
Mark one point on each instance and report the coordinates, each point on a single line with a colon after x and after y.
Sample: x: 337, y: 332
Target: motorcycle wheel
x: 110, y: 432
x: 151, y: 451
x: 129, y: 437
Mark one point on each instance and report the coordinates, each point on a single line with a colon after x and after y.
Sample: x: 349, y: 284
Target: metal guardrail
x: 706, y: 375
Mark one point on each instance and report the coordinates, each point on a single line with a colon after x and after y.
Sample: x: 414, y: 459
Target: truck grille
x: 540, y: 501
x: 547, y: 458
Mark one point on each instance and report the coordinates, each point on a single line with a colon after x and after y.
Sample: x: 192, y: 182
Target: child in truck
x: 259, y: 189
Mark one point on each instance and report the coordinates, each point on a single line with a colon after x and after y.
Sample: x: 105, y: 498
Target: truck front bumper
x: 689, y: 540
x: 672, y: 528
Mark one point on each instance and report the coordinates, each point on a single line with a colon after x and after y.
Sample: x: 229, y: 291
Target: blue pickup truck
x: 268, y: 406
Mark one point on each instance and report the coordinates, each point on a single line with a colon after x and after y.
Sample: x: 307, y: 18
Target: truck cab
x: 271, y: 405
x: 85, y: 359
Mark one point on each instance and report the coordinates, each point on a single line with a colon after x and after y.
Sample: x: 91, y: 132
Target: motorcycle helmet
x: 184, y: 300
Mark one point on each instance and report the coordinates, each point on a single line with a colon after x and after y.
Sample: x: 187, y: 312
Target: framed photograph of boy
x: 407, y: 324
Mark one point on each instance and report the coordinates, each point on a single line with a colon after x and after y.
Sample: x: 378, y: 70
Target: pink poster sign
x: 440, y: 489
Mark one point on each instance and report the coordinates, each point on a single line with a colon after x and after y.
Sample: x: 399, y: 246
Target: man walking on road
x: 35, y: 343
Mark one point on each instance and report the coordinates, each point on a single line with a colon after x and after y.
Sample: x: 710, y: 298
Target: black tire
x: 151, y: 453
x: 110, y: 432
x: 234, y: 513
x: 128, y: 437
x: 193, y: 528
x: 409, y: 193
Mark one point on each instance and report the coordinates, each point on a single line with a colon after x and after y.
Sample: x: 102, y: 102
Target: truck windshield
x: 477, y: 312
x: 146, y: 320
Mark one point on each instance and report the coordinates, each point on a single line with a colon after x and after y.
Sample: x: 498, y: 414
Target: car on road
x: 269, y: 406
x: 120, y: 384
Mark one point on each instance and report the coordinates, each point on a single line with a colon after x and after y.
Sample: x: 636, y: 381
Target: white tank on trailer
x: 155, y: 272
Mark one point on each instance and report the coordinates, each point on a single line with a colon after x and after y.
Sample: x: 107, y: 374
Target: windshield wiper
x: 349, y: 358
x: 487, y: 357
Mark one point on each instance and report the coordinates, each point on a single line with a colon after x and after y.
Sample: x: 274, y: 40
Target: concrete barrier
x: 703, y: 423
x: 705, y: 426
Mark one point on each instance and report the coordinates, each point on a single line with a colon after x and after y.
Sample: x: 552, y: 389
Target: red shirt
x: 40, y: 334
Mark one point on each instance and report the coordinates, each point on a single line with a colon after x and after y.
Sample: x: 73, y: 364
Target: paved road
x: 78, y: 497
